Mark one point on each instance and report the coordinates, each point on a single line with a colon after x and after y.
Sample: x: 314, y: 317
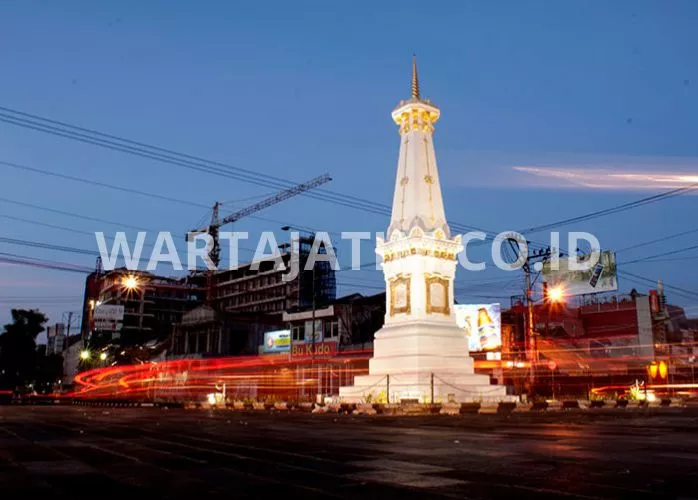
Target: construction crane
x: 217, y: 222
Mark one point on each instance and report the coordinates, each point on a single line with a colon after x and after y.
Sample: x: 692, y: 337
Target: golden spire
x: 415, y: 78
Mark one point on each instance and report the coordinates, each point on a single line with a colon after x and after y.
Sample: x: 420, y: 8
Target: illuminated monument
x: 420, y: 347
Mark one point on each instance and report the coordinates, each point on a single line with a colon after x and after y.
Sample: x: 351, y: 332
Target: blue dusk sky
x: 549, y: 110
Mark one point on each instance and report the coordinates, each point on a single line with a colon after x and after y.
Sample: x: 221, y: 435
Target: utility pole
x: 313, y: 292
x: 533, y: 262
x: 69, y: 317
x: 530, y: 342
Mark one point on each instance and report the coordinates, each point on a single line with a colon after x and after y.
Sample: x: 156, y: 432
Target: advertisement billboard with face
x: 481, y: 324
x: 277, y: 341
x: 599, y: 278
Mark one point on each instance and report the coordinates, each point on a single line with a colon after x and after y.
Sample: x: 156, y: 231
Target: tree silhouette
x: 18, y: 355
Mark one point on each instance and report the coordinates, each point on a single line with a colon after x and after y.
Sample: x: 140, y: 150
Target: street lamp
x: 556, y: 294
x: 84, y: 354
x: 103, y: 356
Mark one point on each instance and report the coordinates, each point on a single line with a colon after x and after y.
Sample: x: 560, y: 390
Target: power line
x: 48, y: 246
x: 109, y: 141
x: 673, y: 259
x: 681, y: 291
x: 139, y: 192
x: 180, y: 159
x: 657, y: 240
x: 612, y: 210
x: 44, y: 224
x: 101, y: 184
x: 9, y: 258
x: 72, y: 214
x: 671, y: 252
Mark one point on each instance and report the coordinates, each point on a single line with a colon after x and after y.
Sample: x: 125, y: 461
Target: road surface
x: 61, y: 452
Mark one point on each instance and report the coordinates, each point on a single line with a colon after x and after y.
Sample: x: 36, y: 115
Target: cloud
x: 610, y: 178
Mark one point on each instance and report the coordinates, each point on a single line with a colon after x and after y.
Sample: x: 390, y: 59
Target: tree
x: 18, y: 353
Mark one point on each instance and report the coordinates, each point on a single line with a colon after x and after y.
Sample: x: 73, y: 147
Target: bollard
x: 364, y: 409
x: 488, y: 408
x: 522, y: 407
x: 450, y: 408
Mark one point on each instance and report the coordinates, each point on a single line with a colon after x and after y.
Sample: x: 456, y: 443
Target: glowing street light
x: 130, y: 282
x: 556, y: 294
x: 85, y: 354
x: 103, y: 356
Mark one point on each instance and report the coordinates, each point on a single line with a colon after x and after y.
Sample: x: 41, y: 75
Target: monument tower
x: 420, y: 350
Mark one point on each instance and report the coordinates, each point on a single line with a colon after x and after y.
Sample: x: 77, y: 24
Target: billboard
x: 482, y: 325
x: 277, y: 341
x: 108, y: 317
x: 600, y: 278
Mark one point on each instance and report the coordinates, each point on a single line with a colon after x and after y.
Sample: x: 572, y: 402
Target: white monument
x: 420, y: 351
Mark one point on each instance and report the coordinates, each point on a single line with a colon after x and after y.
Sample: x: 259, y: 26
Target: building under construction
x: 251, y: 299
x: 151, y: 305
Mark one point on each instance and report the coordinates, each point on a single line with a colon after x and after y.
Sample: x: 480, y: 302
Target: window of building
x: 298, y: 332
x: 331, y: 329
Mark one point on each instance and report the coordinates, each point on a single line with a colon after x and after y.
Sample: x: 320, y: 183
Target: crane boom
x: 277, y: 198
x: 216, y: 223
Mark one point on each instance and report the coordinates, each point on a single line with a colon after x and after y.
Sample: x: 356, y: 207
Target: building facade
x: 151, y: 305
x: 251, y: 299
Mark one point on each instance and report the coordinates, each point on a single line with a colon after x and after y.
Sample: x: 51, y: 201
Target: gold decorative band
x: 439, y: 254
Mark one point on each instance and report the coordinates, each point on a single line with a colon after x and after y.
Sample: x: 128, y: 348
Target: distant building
x: 71, y: 359
x: 207, y: 332
x: 618, y: 333
x: 349, y: 320
x: 55, y: 339
x: 151, y: 305
x: 261, y: 287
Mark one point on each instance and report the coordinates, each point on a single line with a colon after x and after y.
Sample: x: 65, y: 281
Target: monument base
x: 422, y: 360
x: 446, y: 387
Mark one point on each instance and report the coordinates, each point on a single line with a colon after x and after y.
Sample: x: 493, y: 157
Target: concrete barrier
x: 554, y: 405
x: 570, y: 404
x: 450, y: 409
x: 364, y: 409
x: 523, y: 407
x: 488, y: 408
x: 414, y: 408
x: 677, y: 403
x: 319, y: 409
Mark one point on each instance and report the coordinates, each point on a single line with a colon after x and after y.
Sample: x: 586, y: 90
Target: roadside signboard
x: 602, y: 277
x: 277, y: 341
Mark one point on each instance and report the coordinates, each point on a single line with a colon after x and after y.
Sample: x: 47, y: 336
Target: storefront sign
x: 324, y: 349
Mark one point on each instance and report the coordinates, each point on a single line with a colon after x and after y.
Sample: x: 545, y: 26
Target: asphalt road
x: 100, y: 453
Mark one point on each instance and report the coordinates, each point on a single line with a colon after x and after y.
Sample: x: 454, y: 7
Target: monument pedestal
x: 414, y: 359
